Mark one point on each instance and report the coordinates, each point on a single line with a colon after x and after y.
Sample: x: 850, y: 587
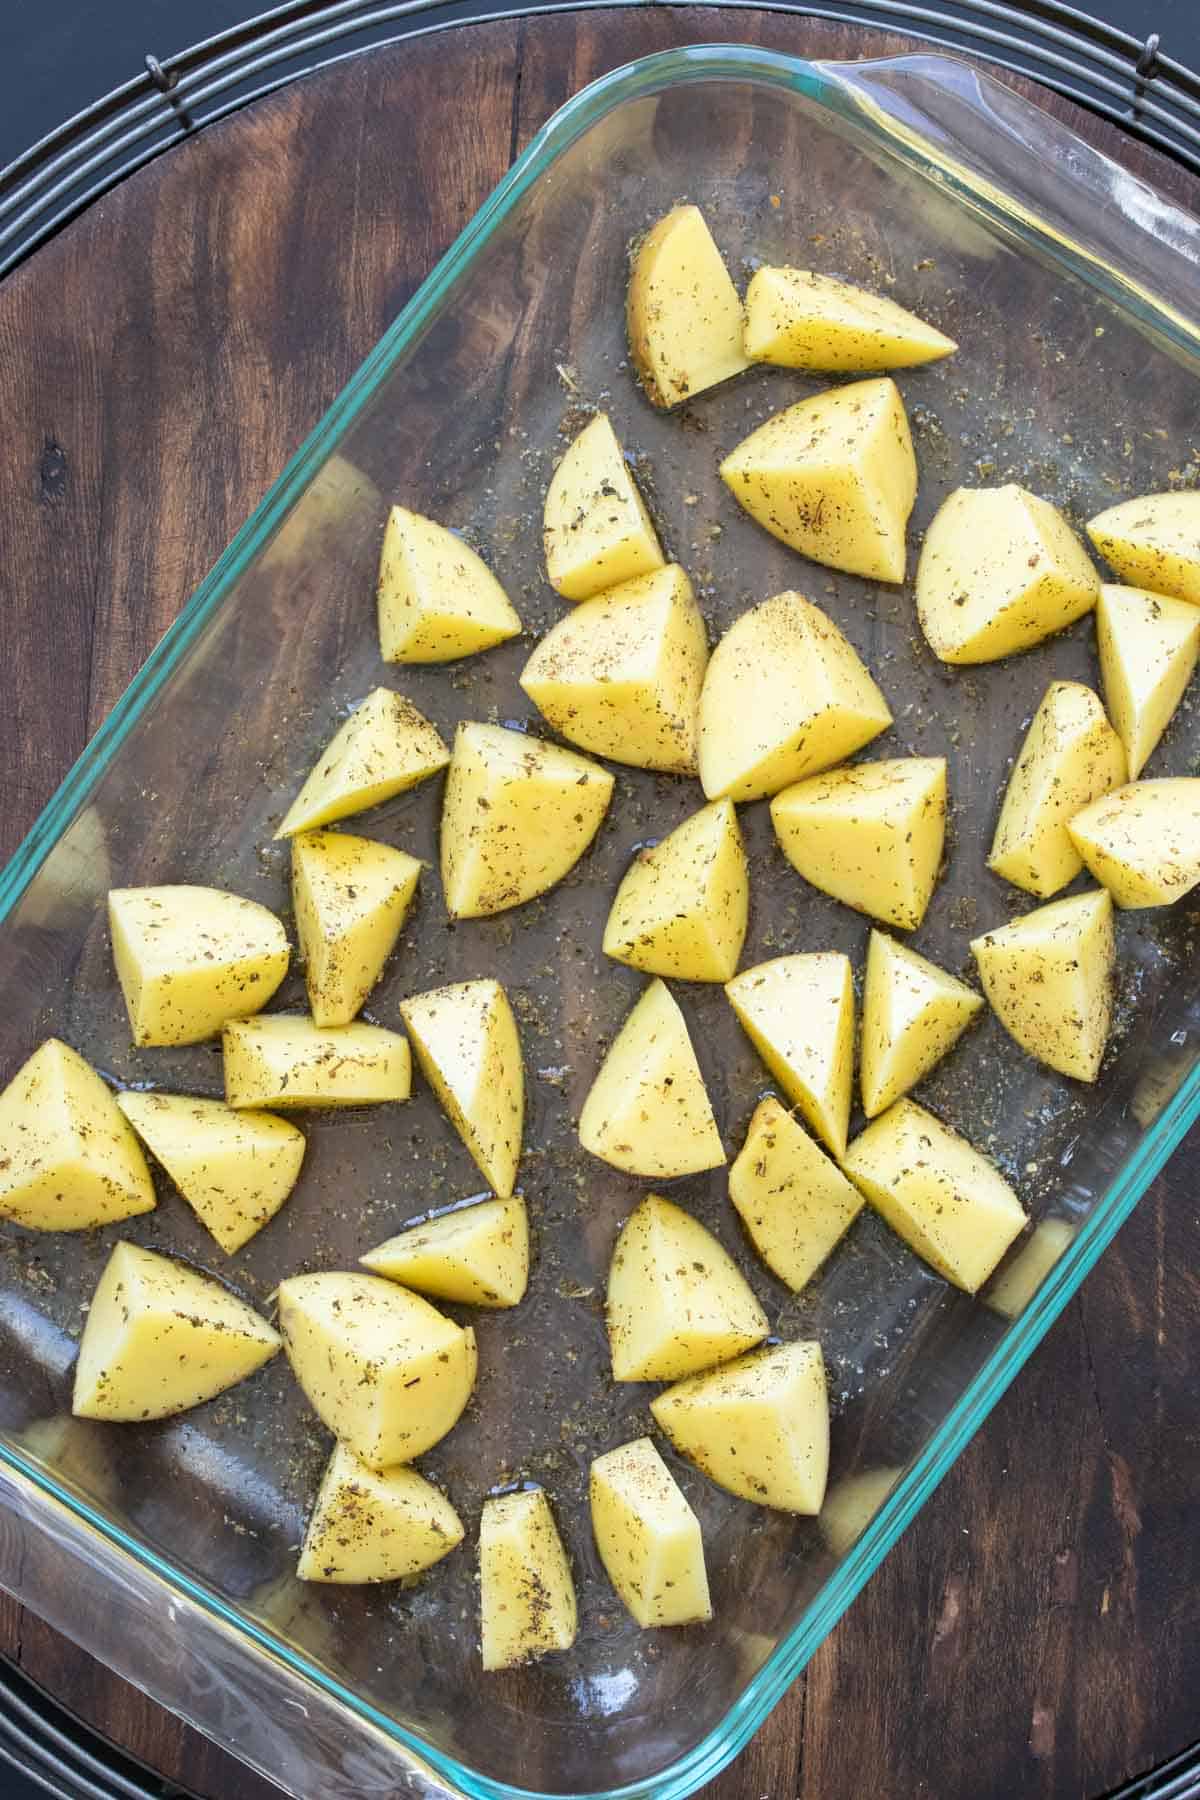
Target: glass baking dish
x: 167, y: 1549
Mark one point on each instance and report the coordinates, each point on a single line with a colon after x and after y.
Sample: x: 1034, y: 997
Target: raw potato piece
x: 285, y: 1061
x: 437, y: 599
x: 801, y: 320
x: 870, y: 834
x: 596, y: 532
x: 758, y: 1427
x: 234, y: 1169
x: 648, y: 1111
x: 683, y: 905
x: 526, y: 1594
x: 852, y: 1504
x: 370, y: 1525
x: 1148, y: 647
x: 477, y: 1254
x: 682, y: 311
x: 785, y: 696
x: 677, y: 1301
x: 1020, y: 1280
x: 833, y: 476
x: 1153, y: 542
x: 945, y: 1199
x: 68, y: 1160
x: 648, y: 1537
x: 189, y: 959
x: 385, y: 1371
x: 470, y: 1054
x: 517, y: 816
x: 1000, y: 569
x: 913, y: 1013
x: 620, y: 675
x: 793, y: 1200
x: 385, y: 747
x: 1048, y: 977
x: 798, y: 1012
x: 1143, y: 842
x: 1070, y: 757
x: 351, y: 898
x: 160, y: 1338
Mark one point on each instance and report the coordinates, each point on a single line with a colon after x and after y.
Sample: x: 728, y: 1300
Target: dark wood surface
x: 1037, y: 1631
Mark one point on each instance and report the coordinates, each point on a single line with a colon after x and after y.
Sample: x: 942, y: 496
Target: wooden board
x: 1037, y: 1632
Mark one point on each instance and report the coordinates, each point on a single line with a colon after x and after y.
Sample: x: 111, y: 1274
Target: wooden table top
x: 1037, y: 1630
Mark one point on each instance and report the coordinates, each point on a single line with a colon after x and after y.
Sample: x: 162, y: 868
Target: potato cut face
x: 1017, y: 1283
x: 477, y: 1254
x: 683, y: 905
x: 913, y: 1013
x: 385, y: 1371
x: 785, y: 695
x: 437, y: 599
x: 470, y: 1053
x: 286, y: 1062
x: 526, y: 1594
x: 852, y: 1503
x: 648, y: 1110
x: 375, y: 1525
x: 621, y: 674
x: 385, y: 747
x: 801, y: 320
x: 1071, y: 756
x: 758, y: 1427
x: 798, y: 1012
x: 1048, y: 978
x: 648, y: 1537
x: 792, y: 1198
x: 234, y: 1169
x: 941, y: 1195
x: 596, y: 532
x: 682, y: 311
x: 1143, y: 842
x: 1000, y: 569
x: 189, y: 959
x: 833, y: 476
x: 160, y: 1338
x: 1148, y: 645
x: 517, y: 816
x: 68, y: 1160
x: 351, y: 897
x: 1153, y: 542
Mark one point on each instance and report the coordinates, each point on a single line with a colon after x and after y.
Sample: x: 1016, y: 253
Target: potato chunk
x: 385, y: 747
x: 1048, y: 977
x: 1000, y: 569
x: 189, y: 959
x: 470, y: 1054
x: 913, y: 1013
x: 385, y: 1371
x: 1148, y: 646
x: 648, y: 1537
x: 798, y: 1012
x: 648, y: 1110
x: 802, y: 320
x: 941, y: 1195
x: 160, y: 1337
x: 1153, y: 542
x: 596, y: 532
x: 1070, y: 757
x: 351, y: 897
x: 793, y: 1200
x: 852, y: 1503
x: 526, y: 1594
x: 437, y: 599
x: 677, y: 1301
x: 833, y: 476
x: 372, y: 1525
x: 517, y: 816
x: 758, y: 1427
x: 68, y: 1160
x: 682, y: 311
x: 620, y: 675
x: 785, y: 695
x: 477, y: 1254
x: 1016, y: 1284
x: 286, y: 1062
x: 683, y: 905
x: 1143, y: 842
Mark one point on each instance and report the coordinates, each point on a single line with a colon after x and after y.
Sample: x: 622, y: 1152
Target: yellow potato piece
x: 234, y: 1169
x: 785, y: 695
x: 941, y: 1195
x: 517, y: 816
x: 385, y: 747
x: 1000, y: 569
x: 648, y: 1110
x: 648, y: 1537
x: 620, y: 675
x: 1071, y: 756
x: 526, y: 1595
x: 477, y: 1254
x: 913, y: 1013
x: 469, y: 1050
x: 351, y: 897
x: 285, y: 1061
x: 160, y: 1337
x: 798, y: 1012
x: 833, y: 476
x: 758, y: 1427
x: 793, y: 1200
x: 852, y: 1503
x: 437, y: 599
x: 1153, y: 542
x: 596, y: 532
x: 68, y: 1160
x: 1048, y: 978
x: 375, y: 1525
x: 1143, y: 842
x: 385, y: 1371
x: 1148, y: 646
x: 1016, y: 1284
x: 677, y: 1301
x: 189, y: 959
x: 802, y: 320
x: 682, y: 311
x: 683, y: 905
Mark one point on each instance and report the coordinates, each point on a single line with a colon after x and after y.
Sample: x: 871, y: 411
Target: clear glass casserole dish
x: 1067, y: 283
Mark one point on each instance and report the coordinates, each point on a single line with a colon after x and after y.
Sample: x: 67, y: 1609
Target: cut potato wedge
x: 648, y: 1110
x: 477, y: 1254
x: 1143, y: 842
x: 792, y: 1198
x: 437, y: 599
x: 526, y: 1595
x: 1153, y: 542
x: 68, y: 1159
x: 351, y: 898
x: 385, y: 747
x: 1048, y: 977
x: 1148, y: 646
x: 648, y: 1537
x: 801, y: 320
x: 286, y: 1062
x: 913, y: 1013
x: 852, y: 1503
x: 596, y: 532
x: 1016, y: 1284
x: 189, y: 959
x: 1071, y: 756
x: 375, y: 1525
x: 684, y: 904
x: 682, y: 311
x: 798, y: 1012
x: 469, y: 1050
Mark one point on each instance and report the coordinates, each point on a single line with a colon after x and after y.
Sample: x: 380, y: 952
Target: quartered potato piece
x: 802, y: 320
x: 1153, y: 542
x: 477, y: 1254
x: 470, y: 1054
x: 68, y: 1160
x: 596, y: 532
x: 526, y: 1594
x: 437, y: 599
x: 385, y: 747
x: 648, y: 1537
x: 798, y: 1012
x: 1148, y: 647
x: 285, y: 1061
x: 648, y: 1111
x: 793, y: 1200
x: 683, y: 905
x: 682, y: 311
x: 1048, y: 978
x: 913, y: 1013
x: 189, y: 959
x: 351, y: 897
x: 1016, y: 1284
x: 375, y: 1525
x: 1143, y: 842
